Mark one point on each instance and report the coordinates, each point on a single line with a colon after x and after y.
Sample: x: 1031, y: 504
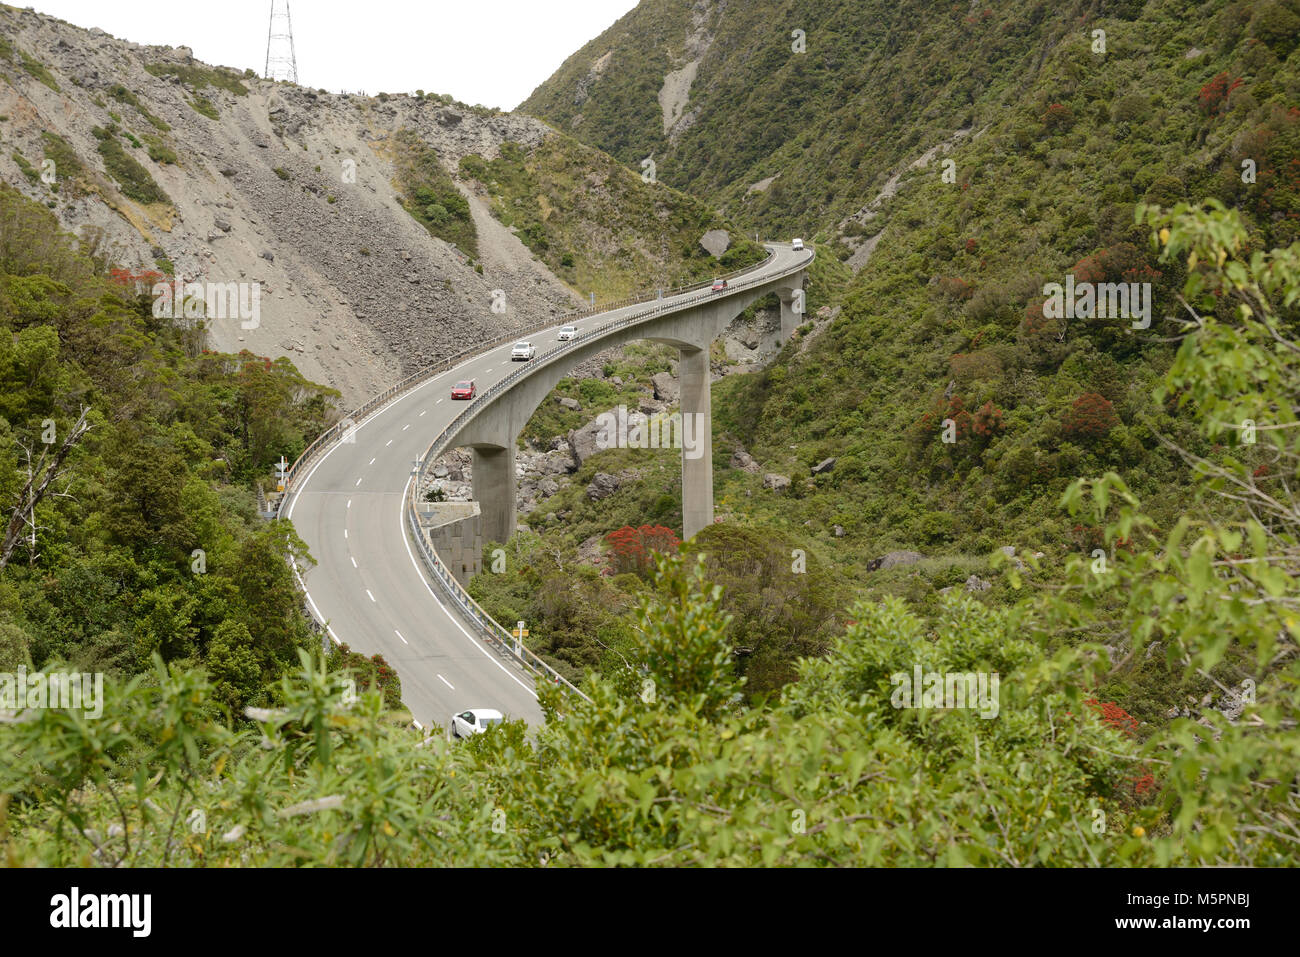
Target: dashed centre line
x: 372, y: 597
x: 399, y: 635
x: 446, y: 682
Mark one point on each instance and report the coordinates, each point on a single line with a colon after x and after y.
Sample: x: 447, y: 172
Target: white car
x: 797, y: 245
x: 474, y: 721
x: 523, y: 351
x: 568, y: 332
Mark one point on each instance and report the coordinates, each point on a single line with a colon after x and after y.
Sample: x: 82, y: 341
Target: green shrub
x: 132, y: 178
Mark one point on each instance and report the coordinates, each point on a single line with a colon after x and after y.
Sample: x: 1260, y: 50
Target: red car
x: 719, y: 285
x: 463, y: 390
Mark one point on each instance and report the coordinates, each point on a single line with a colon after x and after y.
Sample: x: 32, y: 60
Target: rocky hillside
x: 373, y: 253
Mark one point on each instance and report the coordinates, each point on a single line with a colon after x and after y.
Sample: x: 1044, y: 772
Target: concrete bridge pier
x: 790, y: 319
x: 493, y: 432
x: 494, y: 489
x: 697, y: 423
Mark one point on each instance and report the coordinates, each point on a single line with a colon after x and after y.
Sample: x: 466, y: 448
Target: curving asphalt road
x: 370, y: 586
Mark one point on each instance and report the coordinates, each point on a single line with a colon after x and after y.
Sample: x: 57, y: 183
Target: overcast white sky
x: 493, y: 52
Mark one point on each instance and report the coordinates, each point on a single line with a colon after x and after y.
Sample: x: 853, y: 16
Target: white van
x: 797, y: 245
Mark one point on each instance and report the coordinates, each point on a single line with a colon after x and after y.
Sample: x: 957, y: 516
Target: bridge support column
x: 790, y: 318
x: 494, y: 490
x: 697, y: 424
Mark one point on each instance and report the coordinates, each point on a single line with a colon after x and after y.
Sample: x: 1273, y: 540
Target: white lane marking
x: 358, y: 483
x: 388, y: 443
x: 399, y: 635
x: 372, y: 597
x: 349, y: 503
x: 401, y: 524
x: 485, y: 373
x: 439, y: 402
x: 407, y: 426
x: 354, y: 561
x: 319, y: 616
x: 372, y: 461
x: 416, y: 722
x: 345, y: 533
x: 422, y: 413
x: 446, y: 682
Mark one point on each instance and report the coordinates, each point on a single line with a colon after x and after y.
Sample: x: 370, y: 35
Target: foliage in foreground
x: 663, y: 767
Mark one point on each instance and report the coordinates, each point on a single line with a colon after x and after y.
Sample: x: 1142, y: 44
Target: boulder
x: 896, y: 560
x: 775, y: 482
x: 570, y: 403
x: 665, y: 386
x: 740, y: 459
x: 584, y: 441
x: 825, y: 465
x: 976, y: 584
x: 602, y: 486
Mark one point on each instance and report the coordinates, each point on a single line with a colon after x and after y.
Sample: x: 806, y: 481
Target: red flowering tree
x: 1143, y: 782
x: 987, y: 420
x: 1059, y: 116
x: 632, y: 549
x: 1090, y: 417
x: 1214, y: 95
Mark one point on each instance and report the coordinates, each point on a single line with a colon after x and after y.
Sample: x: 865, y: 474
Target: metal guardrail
x: 499, y: 637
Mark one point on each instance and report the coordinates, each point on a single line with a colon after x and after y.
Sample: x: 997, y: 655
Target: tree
x: 1091, y: 416
x: 1226, y: 577
x: 48, y: 468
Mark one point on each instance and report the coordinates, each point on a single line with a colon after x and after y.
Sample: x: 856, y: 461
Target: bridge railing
x: 498, y: 636
x: 359, y: 414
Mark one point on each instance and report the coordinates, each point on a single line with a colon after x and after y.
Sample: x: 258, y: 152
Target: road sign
x: 281, y: 472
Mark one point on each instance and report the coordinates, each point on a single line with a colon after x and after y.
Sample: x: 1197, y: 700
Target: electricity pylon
x: 281, y: 63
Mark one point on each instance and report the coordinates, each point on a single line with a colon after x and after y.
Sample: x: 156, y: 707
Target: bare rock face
x: 289, y: 188
x: 716, y: 241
